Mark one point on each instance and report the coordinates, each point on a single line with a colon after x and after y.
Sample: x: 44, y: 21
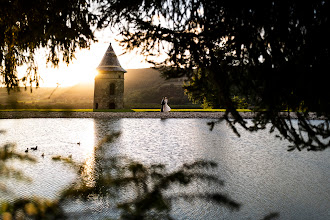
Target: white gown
x: 166, y: 108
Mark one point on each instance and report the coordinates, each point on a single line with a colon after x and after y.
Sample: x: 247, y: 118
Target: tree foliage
x: 8, y: 152
x: 274, y: 54
x: 26, y: 26
x: 22, y: 208
x: 143, y: 191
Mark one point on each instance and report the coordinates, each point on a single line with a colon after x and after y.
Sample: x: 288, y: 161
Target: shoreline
x: 109, y: 115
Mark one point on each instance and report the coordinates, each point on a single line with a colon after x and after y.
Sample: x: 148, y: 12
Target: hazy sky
x: 83, y: 68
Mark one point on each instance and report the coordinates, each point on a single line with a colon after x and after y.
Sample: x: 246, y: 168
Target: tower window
x: 119, y: 76
x: 112, y: 105
x: 96, y: 105
x: 112, y: 89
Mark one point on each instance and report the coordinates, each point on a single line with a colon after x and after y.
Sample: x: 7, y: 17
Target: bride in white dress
x: 166, y: 107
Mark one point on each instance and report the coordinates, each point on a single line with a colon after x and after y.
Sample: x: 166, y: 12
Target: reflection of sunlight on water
x: 88, y: 171
x: 162, y: 141
x: 256, y: 168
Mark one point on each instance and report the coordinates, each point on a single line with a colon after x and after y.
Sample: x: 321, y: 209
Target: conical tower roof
x: 110, y: 61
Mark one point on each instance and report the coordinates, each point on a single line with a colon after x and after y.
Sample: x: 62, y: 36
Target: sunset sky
x: 83, y: 68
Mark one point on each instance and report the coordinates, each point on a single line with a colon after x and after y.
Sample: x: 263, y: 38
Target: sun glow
x: 82, y: 69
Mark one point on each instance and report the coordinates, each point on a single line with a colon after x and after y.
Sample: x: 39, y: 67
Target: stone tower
x: 109, y: 83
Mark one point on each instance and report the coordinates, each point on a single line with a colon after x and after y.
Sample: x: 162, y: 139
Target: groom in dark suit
x: 162, y: 103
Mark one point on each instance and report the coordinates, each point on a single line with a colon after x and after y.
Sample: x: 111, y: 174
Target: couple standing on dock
x: 165, y: 107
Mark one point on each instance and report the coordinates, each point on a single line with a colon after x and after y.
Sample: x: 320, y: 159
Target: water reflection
x: 88, y: 170
x: 54, y: 137
x: 146, y: 192
x: 258, y: 171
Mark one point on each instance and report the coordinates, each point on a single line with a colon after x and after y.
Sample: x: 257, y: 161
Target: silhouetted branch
x: 271, y: 216
x: 147, y: 184
x: 7, y: 152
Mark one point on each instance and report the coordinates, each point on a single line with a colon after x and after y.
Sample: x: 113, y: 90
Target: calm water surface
x: 257, y: 170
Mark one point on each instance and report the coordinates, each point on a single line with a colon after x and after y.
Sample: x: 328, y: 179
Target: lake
x: 257, y: 170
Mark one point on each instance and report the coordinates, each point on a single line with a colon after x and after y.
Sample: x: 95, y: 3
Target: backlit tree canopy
x: 25, y: 26
x: 274, y: 54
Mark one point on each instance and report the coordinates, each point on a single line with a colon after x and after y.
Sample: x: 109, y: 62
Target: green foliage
x: 274, y: 54
x: 26, y: 26
x: 240, y: 103
x: 201, y: 90
x: 31, y: 209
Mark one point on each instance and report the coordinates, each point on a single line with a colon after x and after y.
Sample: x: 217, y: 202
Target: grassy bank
x: 118, y: 110
x: 189, y: 110
x: 46, y: 110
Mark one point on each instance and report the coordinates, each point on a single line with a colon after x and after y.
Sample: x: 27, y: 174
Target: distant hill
x: 78, y: 96
x: 144, y: 88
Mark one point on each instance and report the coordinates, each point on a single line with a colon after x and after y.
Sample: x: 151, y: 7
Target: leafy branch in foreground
x: 273, y: 54
x: 141, y: 191
x: 7, y: 152
x: 19, y: 208
x: 33, y: 208
x: 26, y: 26
x: 138, y: 190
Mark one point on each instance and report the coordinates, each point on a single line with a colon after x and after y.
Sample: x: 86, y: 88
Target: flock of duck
x: 36, y: 148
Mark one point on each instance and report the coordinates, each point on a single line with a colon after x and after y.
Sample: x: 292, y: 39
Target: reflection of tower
x: 109, y: 83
